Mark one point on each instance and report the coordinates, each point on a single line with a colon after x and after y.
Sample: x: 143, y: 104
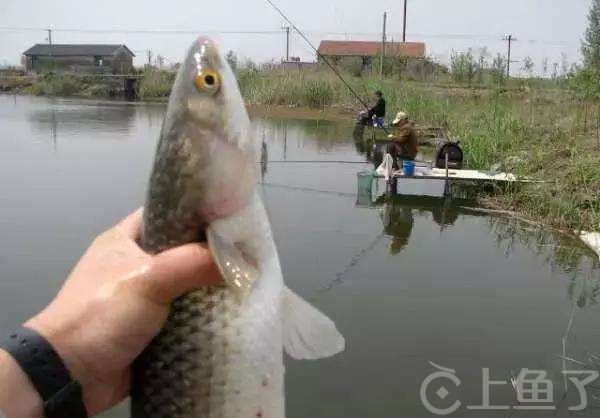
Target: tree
x: 545, y: 67
x: 462, y: 66
x: 590, y: 47
x: 232, y: 60
x: 484, y: 54
x: 554, y: 70
x: 528, y: 66
x: 499, y: 69
x: 564, y: 65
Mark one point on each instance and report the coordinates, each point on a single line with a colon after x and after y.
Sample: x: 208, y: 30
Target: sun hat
x: 400, y: 117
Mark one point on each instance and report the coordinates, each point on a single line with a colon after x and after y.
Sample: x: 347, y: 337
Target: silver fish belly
x: 220, y: 353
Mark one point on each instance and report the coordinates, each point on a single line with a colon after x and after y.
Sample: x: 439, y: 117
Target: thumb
x: 180, y: 270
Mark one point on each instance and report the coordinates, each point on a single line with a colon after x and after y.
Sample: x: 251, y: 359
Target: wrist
x: 62, y: 337
x: 18, y: 397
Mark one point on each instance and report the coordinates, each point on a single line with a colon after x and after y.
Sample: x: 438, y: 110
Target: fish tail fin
x: 307, y: 333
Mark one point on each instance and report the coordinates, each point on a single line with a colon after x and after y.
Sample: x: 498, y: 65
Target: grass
x: 155, y: 84
x: 310, y: 89
x: 52, y: 84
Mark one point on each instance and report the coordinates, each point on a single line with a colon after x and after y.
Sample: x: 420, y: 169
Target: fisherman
x: 377, y: 112
x: 114, y: 302
x: 403, y: 145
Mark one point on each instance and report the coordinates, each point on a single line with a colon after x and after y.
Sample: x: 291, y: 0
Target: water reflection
x: 559, y: 250
x: 264, y: 160
x: 93, y: 116
x: 398, y: 223
x: 61, y: 119
x: 325, y: 136
x: 398, y: 216
x: 580, y: 266
x: 364, y: 142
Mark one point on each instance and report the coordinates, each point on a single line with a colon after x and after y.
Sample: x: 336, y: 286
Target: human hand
x: 113, y: 303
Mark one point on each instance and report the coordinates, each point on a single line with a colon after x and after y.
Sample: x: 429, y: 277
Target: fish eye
x: 208, y: 81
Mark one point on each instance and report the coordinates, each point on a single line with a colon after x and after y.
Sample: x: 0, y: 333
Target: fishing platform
x: 425, y: 173
x: 438, y: 181
x: 431, y: 177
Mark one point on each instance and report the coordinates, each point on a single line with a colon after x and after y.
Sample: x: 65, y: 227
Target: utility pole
x: 383, y: 39
x: 404, y: 24
x: 50, y: 45
x: 287, y: 42
x: 509, y: 38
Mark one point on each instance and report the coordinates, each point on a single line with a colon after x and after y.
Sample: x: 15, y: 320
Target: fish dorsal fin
x: 307, y: 333
x: 237, y: 269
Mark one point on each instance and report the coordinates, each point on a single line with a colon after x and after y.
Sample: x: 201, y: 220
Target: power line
x: 146, y: 31
x: 447, y: 36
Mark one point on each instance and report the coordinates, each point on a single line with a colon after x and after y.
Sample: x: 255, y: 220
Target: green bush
x: 155, y: 84
x: 60, y: 85
x: 34, y: 89
x: 96, y: 90
x: 463, y: 67
x: 318, y: 93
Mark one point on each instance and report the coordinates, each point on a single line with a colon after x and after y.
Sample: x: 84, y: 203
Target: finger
x: 132, y: 224
x: 181, y: 270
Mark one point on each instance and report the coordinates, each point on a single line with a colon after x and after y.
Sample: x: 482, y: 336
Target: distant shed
x: 368, y: 50
x: 84, y: 58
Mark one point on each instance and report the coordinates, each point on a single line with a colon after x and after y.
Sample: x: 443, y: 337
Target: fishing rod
x: 418, y: 163
x: 321, y: 56
x: 315, y: 162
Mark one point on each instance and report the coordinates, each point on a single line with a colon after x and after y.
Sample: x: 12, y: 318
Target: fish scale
x: 188, y: 379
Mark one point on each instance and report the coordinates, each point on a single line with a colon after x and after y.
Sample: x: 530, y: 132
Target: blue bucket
x: 408, y: 167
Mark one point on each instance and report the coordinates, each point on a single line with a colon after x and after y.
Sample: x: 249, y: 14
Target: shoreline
x: 503, y: 202
x: 330, y: 113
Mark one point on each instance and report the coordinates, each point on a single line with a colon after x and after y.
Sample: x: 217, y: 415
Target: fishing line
x: 354, y: 261
x: 309, y: 190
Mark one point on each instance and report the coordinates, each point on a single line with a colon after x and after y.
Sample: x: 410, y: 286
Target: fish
x: 220, y: 353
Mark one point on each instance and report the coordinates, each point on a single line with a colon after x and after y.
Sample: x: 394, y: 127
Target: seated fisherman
x: 378, y: 111
x: 404, y: 144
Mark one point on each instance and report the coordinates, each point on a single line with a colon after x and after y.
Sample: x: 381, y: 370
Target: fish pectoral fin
x: 238, y: 270
x: 307, y: 333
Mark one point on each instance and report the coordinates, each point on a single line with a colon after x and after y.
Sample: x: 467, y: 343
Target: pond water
x: 408, y: 280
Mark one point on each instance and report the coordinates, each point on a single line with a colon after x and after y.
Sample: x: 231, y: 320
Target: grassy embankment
x: 152, y: 85
x: 536, y: 129
x: 533, y: 128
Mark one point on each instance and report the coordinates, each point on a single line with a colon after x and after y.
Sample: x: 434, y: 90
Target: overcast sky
x: 544, y: 28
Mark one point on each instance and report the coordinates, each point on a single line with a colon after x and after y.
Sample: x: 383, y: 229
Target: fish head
x: 207, y: 120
